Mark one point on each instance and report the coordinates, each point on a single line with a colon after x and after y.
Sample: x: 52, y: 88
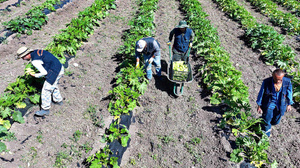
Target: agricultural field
x: 107, y: 102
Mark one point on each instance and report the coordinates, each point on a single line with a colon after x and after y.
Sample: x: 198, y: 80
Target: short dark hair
x: 278, y: 72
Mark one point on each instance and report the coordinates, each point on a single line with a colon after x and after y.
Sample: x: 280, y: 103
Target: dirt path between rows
x: 41, y: 142
x: 254, y: 71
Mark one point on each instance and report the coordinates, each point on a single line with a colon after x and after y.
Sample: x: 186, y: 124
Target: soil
x: 163, y: 126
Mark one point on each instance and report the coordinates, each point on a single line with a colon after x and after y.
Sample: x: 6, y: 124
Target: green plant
x: 86, y: 147
x: 96, y: 118
x: 154, y: 156
x: 195, y: 141
x: 62, y: 158
x: 118, y: 132
x: 39, y: 137
x: 219, y: 75
x: 166, y: 139
x: 76, y: 136
x: 132, y: 161
x: 101, y: 158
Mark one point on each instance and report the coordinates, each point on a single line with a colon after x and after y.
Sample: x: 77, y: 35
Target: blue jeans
x: 148, y: 66
x: 271, y: 117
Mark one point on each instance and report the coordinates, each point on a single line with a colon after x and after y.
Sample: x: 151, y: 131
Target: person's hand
x: 32, y: 74
x: 151, y: 60
x: 289, y: 108
x: 259, y: 110
x: 137, y: 65
x: 169, y: 43
x: 190, y: 45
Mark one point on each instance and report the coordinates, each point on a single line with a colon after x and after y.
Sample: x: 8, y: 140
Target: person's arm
x: 289, y: 95
x: 156, y: 48
x: 38, y: 64
x: 171, y: 35
x: 259, y: 97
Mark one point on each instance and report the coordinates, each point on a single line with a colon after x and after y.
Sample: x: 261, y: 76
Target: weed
x: 40, y: 137
x: 195, y: 141
x: 76, y: 136
x: 166, y: 139
x: 62, y: 158
x: 96, y: 119
x: 139, y: 156
x: 168, y: 110
x: 132, y: 161
x: 191, y: 98
x: 86, y: 147
x: 154, y: 156
x: 68, y: 73
x: 64, y: 145
x: 30, y: 156
x: 140, y: 134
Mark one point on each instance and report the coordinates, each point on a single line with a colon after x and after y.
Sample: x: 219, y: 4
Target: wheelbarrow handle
x: 170, y: 52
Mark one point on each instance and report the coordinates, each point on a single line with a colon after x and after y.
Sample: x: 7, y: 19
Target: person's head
x: 141, y: 44
x: 278, y: 74
x: 182, y: 25
x: 24, y: 53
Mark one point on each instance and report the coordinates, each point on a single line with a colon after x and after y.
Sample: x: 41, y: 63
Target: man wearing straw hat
x: 50, y: 67
x: 182, y: 42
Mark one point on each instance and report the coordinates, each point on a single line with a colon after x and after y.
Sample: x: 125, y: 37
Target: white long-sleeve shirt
x: 38, y: 64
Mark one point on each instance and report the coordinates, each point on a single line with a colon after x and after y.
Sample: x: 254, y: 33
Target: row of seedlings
x: 266, y: 39
x: 225, y: 83
x: 131, y: 83
x: 292, y: 5
x: 34, y: 19
x: 287, y: 21
x: 27, y: 87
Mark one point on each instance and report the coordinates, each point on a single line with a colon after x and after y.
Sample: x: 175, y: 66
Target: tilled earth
x: 164, y: 126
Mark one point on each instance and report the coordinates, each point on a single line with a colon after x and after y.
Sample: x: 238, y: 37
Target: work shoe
x: 59, y: 103
x: 42, y: 113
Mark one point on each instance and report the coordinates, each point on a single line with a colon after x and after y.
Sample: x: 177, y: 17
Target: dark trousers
x: 179, y: 56
x: 271, y: 116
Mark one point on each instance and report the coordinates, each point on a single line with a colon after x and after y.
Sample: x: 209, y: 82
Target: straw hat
x: 23, y: 51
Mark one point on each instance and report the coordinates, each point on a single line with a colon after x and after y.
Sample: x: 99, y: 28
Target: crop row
x: 131, y: 83
x: 287, y: 21
x: 266, y: 39
x: 225, y: 83
x: 34, y: 19
x: 291, y: 5
x: 29, y: 87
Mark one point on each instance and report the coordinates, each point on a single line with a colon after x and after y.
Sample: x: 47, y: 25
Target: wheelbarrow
x: 179, y: 78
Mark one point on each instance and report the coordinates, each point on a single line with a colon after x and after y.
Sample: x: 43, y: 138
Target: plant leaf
x: 17, y: 116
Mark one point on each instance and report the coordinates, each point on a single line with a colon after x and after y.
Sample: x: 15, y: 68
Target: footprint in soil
x: 38, y: 119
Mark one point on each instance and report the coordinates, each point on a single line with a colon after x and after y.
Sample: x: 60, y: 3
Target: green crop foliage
x: 26, y: 86
x: 265, y: 38
x: 34, y: 19
x: 292, y: 5
x: 131, y: 82
x: 225, y: 82
x: 287, y: 21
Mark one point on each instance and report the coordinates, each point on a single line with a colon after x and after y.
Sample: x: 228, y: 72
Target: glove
x: 137, y: 65
x: 190, y: 45
x: 169, y: 43
x: 151, y: 60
